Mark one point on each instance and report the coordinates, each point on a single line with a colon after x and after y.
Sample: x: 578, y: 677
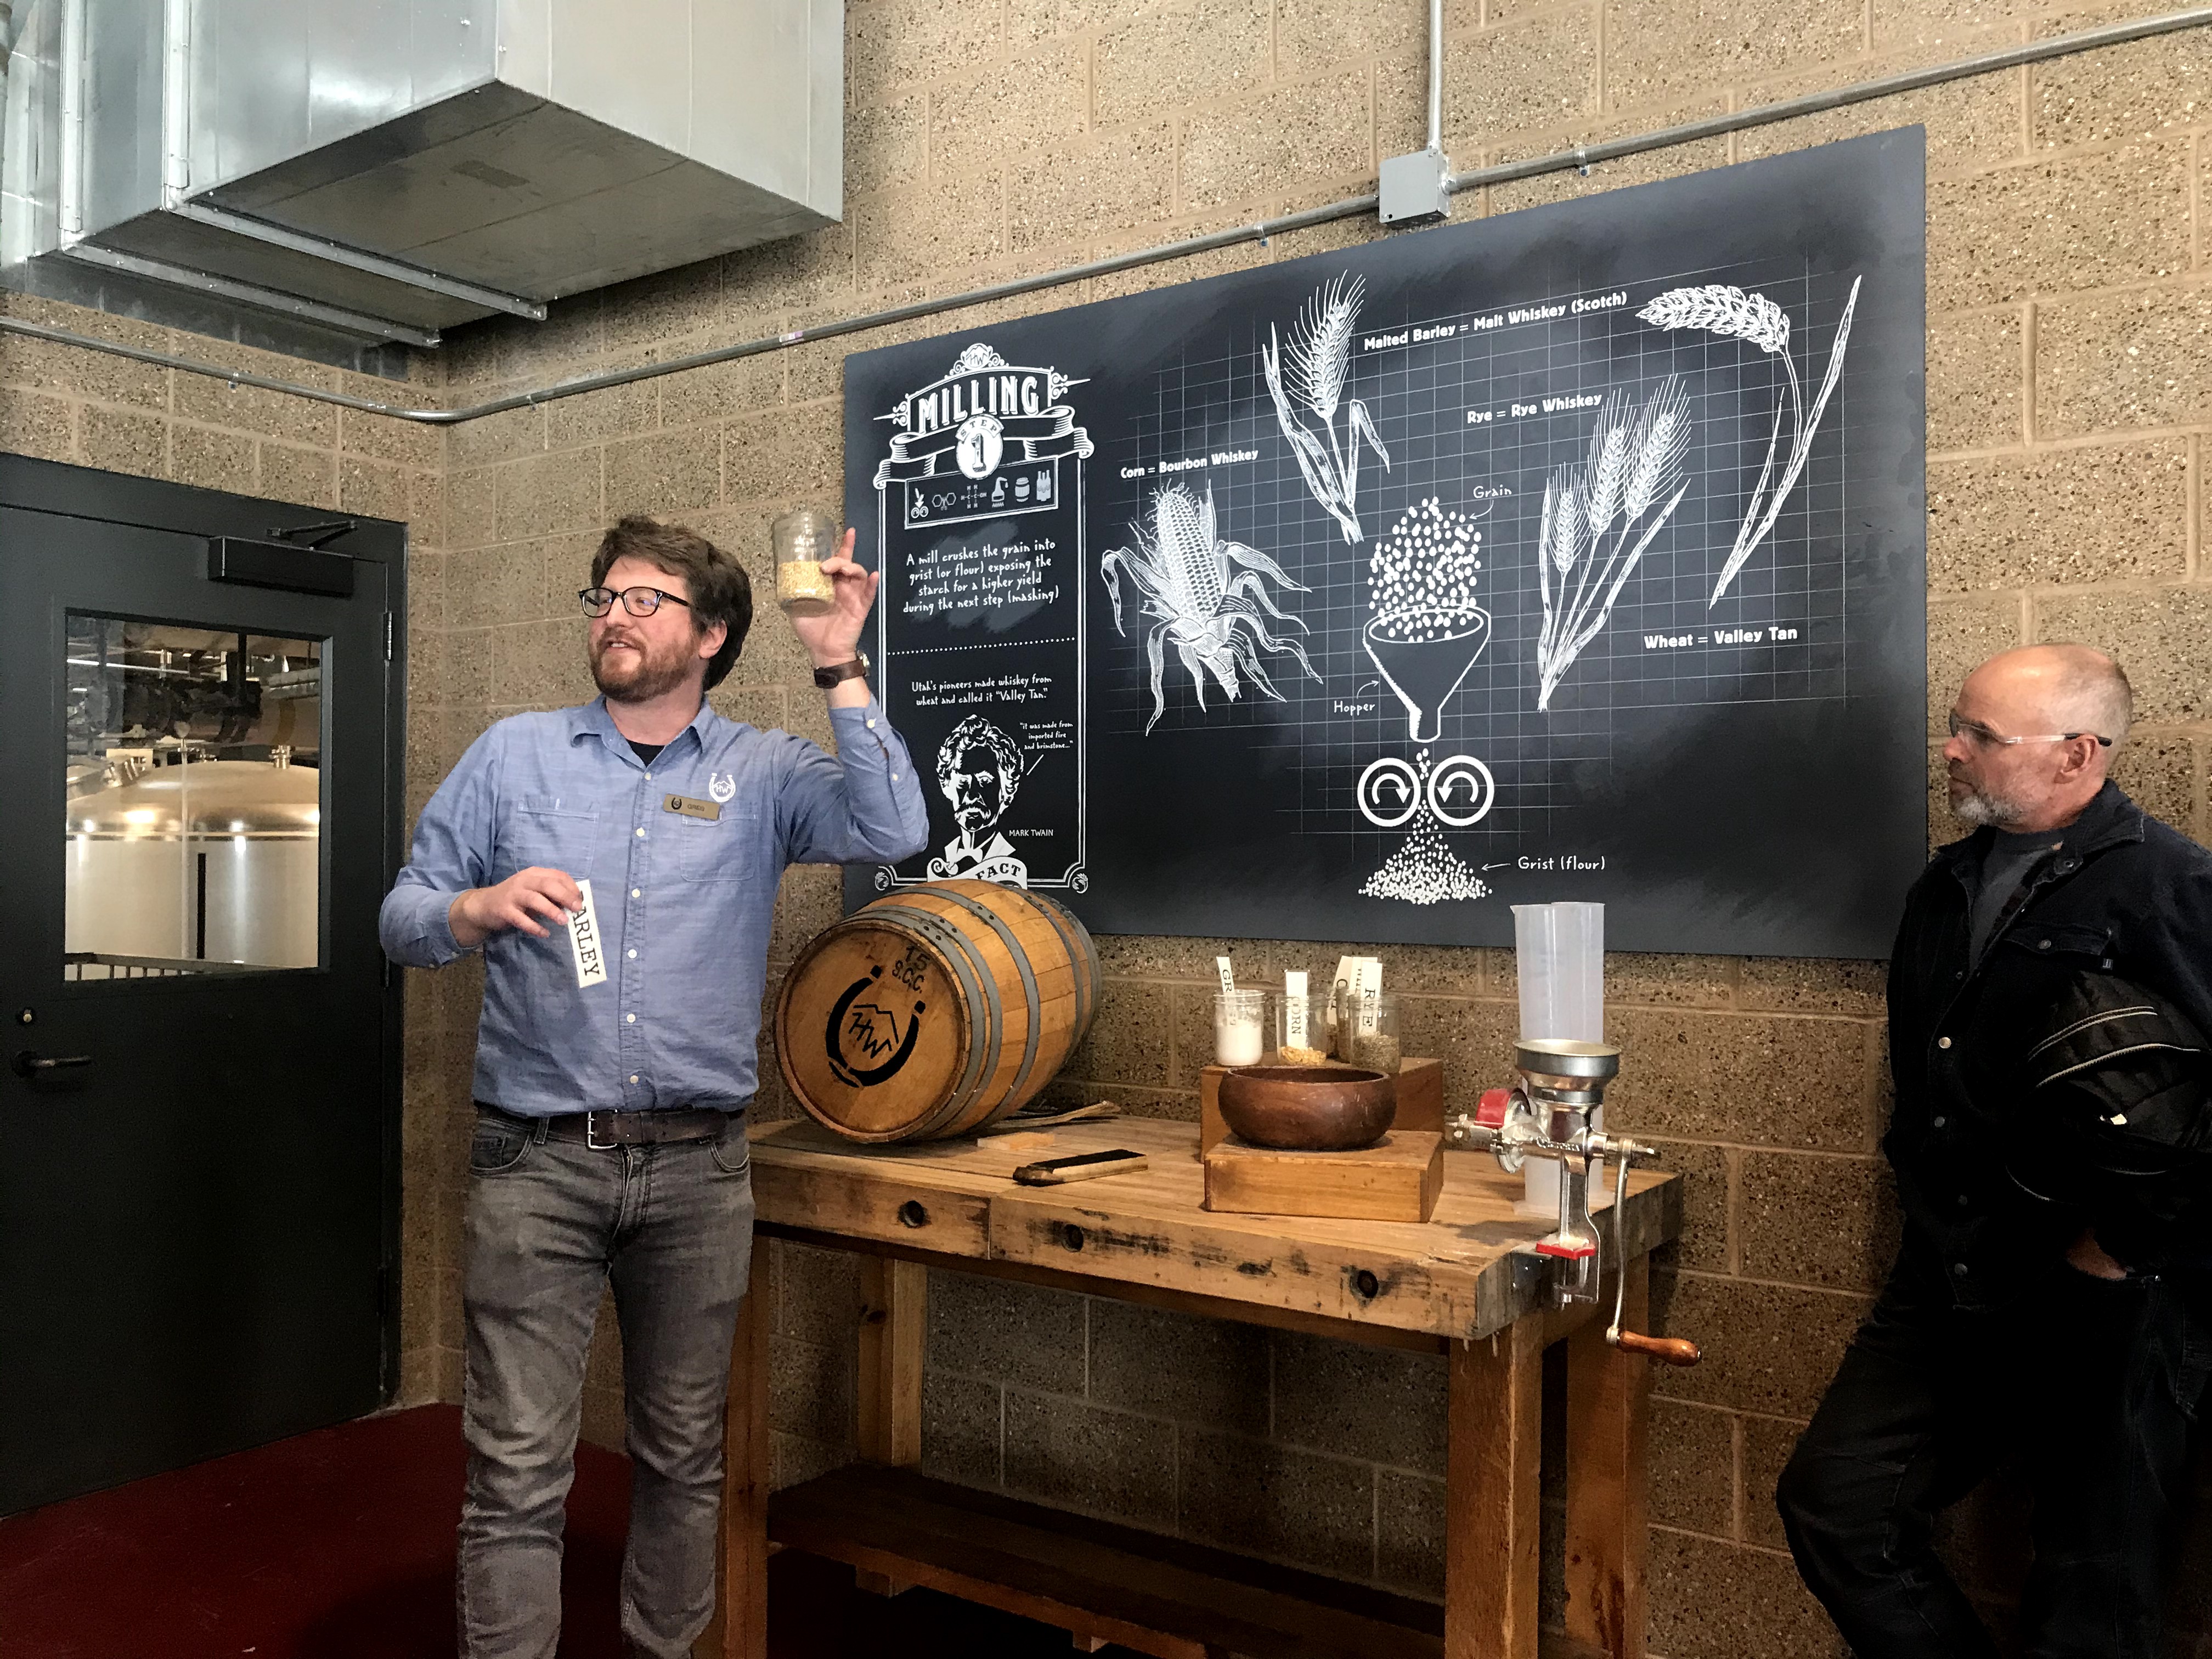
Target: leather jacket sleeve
x: 2116, y: 1119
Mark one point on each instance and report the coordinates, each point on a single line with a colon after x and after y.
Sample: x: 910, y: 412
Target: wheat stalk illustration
x: 1716, y: 308
x: 1592, y: 511
x: 1316, y: 366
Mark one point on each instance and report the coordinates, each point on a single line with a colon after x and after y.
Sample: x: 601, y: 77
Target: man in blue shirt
x: 617, y: 865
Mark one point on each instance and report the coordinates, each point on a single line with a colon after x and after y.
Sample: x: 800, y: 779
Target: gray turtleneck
x: 2005, y: 865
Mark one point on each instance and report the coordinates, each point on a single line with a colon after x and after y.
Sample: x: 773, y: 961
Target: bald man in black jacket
x: 2049, y: 995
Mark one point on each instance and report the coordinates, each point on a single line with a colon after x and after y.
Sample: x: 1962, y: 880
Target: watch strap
x: 839, y: 672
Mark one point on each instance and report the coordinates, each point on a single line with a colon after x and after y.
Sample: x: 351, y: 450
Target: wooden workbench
x: 1455, y: 1285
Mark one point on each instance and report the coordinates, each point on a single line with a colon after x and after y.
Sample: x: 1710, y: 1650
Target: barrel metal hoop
x: 1021, y: 956
x: 952, y: 946
x: 1078, y: 936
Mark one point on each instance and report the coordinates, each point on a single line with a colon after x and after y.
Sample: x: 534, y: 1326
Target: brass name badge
x: 710, y: 811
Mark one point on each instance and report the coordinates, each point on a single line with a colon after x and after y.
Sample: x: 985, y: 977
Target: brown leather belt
x: 607, y: 1130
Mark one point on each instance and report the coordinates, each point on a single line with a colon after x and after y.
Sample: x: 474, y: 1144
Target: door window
x: 193, y: 801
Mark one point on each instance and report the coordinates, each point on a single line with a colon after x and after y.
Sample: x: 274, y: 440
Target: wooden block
x: 1420, y: 1096
x: 1397, y: 1179
x: 1212, y: 1131
x: 1420, y: 1101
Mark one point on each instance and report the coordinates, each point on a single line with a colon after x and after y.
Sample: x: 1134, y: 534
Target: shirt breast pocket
x: 2075, y: 945
x: 543, y: 831
x: 730, y: 847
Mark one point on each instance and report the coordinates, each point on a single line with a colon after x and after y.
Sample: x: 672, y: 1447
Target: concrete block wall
x: 1319, y: 1454
x: 2070, y: 308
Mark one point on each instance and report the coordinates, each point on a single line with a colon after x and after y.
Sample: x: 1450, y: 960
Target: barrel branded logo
x: 867, y: 1038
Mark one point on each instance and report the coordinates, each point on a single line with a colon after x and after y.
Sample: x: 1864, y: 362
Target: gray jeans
x: 550, y: 1223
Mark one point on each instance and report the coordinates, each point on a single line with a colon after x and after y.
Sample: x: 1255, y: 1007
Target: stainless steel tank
x: 212, y: 860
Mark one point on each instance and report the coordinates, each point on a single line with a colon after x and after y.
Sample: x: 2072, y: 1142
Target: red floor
x: 335, y: 1545
x: 339, y: 1545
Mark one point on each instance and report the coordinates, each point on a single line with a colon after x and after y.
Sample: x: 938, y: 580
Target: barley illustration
x: 1582, y: 560
x: 1316, y: 366
x: 1718, y: 309
x: 1321, y: 345
x: 1733, y: 313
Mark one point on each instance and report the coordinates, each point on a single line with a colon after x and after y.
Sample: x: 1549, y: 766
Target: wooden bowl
x: 1309, y: 1109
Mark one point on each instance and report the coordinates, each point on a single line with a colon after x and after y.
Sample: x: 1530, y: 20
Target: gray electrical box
x: 1416, y: 188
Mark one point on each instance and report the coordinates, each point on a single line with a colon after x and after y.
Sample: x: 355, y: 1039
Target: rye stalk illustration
x: 1592, y: 509
x: 1319, y: 362
x: 1717, y: 309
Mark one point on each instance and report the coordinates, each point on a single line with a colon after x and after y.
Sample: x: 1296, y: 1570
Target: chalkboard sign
x: 1577, y: 553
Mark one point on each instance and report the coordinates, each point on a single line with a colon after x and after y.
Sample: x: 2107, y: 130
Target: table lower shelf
x: 1100, y: 1582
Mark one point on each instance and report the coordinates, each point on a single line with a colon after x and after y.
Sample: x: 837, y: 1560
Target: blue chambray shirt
x: 685, y: 904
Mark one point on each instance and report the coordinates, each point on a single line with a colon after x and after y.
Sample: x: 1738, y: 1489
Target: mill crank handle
x: 1667, y: 1350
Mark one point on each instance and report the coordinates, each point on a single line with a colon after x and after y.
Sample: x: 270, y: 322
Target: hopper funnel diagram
x: 1425, y: 629
x: 1422, y: 656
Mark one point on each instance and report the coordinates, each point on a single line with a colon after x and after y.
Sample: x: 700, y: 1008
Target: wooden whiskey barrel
x: 935, y: 1009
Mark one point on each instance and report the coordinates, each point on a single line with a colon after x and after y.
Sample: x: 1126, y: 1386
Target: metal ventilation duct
x: 390, y: 168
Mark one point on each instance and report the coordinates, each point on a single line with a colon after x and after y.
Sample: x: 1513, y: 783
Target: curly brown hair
x: 720, y: 591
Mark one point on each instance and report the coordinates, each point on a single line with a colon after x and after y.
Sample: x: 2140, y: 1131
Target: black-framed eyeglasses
x: 638, y: 601
x: 1982, y: 735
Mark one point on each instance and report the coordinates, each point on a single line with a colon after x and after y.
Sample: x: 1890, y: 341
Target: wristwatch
x: 829, y: 678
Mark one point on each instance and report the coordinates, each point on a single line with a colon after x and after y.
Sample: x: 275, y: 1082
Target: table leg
x: 740, y: 1627
x: 1490, y: 1510
x: 893, y: 1313
x: 1608, y: 1414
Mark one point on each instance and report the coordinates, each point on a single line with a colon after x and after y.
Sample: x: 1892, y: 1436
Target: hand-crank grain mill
x: 1547, y: 1115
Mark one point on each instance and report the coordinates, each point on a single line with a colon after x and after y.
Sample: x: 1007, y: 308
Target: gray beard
x: 1996, y: 811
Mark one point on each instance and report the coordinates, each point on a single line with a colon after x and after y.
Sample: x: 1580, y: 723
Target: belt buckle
x: 592, y: 1133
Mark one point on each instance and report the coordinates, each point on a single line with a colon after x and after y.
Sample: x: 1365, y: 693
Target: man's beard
x: 1980, y: 806
x: 651, y: 676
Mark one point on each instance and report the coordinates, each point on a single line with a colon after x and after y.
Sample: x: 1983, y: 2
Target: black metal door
x: 198, y: 1100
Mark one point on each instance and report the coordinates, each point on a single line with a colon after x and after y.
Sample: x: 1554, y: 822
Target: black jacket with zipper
x: 2125, y: 896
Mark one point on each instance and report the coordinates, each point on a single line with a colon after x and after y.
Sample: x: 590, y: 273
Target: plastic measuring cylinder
x: 1559, y: 953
